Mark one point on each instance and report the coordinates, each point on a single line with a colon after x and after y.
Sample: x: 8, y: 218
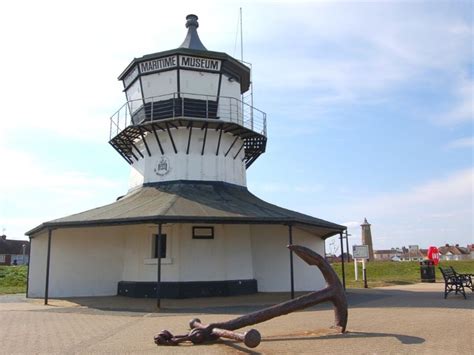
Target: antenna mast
x: 241, y: 38
x: 250, y: 64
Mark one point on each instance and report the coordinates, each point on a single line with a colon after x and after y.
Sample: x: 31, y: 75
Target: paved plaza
x: 397, y: 319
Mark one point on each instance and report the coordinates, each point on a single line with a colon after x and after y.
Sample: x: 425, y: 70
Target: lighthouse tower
x: 184, y: 118
x: 188, y: 226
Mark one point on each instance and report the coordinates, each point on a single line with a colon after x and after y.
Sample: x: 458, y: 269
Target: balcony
x: 137, y: 118
x: 195, y: 107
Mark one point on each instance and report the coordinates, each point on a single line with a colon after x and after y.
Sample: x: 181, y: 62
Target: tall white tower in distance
x: 367, y: 238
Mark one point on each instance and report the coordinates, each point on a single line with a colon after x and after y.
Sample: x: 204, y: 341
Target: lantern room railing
x: 189, y: 106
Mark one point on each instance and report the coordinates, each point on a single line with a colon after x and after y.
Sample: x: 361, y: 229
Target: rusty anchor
x: 333, y: 292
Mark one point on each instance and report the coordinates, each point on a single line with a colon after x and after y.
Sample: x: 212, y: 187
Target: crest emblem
x: 162, y: 167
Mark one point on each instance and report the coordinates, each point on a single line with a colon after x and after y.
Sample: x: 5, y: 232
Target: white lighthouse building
x: 188, y: 226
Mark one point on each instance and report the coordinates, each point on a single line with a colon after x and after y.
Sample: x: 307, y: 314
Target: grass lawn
x: 386, y: 273
x: 379, y: 273
x: 13, y: 279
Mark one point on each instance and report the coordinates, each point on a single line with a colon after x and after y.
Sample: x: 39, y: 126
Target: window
x: 163, y: 246
x: 203, y: 232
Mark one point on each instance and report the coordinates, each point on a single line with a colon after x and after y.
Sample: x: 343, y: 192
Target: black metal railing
x: 184, y: 105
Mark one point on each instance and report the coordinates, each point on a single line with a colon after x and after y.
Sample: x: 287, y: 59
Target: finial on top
x: 192, y: 40
x: 192, y: 20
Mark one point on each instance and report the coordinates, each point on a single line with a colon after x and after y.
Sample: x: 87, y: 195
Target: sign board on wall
x: 172, y: 62
x: 158, y: 64
x: 199, y: 63
x: 360, y: 251
x: 185, y: 61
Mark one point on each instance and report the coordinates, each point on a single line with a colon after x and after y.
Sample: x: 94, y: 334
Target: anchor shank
x: 278, y: 310
x: 334, y: 292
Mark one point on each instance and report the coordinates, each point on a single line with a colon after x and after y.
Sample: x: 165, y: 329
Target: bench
x: 452, y: 282
x: 465, y: 278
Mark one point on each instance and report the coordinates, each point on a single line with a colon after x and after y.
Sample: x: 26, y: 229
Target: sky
x: 369, y: 107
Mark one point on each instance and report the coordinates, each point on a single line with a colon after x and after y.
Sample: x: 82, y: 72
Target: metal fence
x: 189, y: 106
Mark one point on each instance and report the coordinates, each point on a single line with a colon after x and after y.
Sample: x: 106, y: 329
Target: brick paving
x: 399, y: 319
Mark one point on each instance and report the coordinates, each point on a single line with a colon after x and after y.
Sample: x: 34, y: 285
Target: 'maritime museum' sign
x: 166, y: 63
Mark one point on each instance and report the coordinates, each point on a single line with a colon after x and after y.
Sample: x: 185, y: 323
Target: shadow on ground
x: 357, y: 298
x: 403, y: 339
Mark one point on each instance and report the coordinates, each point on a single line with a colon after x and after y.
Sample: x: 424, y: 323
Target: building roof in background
x: 192, y: 202
x: 10, y: 246
x: 453, y: 249
x: 387, y: 251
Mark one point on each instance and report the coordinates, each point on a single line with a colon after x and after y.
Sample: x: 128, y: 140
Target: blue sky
x: 369, y: 106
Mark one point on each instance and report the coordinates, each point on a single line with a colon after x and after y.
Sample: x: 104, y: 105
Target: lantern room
x: 172, y: 94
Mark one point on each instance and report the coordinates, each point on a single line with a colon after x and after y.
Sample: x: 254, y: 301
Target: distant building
x: 424, y: 252
x: 13, y: 252
x: 454, y: 252
x: 387, y: 254
x: 446, y: 252
x: 412, y: 255
x: 400, y: 254
x: 470, y: 247
x: 331, y: 258
x: 347, y: 257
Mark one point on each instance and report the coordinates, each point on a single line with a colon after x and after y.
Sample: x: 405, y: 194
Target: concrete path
x: 390, y: 320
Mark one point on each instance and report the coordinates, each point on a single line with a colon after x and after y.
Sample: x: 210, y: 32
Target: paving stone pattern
x: 396, y: 320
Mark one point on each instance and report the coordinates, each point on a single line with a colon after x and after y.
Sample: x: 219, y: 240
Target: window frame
x: 197, y: 228
x: 154, y: 247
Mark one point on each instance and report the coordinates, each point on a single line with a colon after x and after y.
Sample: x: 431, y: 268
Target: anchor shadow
x: 404, y: 339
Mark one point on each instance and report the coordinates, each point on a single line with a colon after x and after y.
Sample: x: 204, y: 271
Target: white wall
x: 192, y: 166
x: 230, y: 88
x: 226, y: 257
x: 134, y: 94
x: 158, y: 84
x: 37, y: 272
x: 84, y: 262
x: 201, y: 83
x: 91, y: 261
x: 271, y: 259
x: 230, y: 106
x: 139, y: 264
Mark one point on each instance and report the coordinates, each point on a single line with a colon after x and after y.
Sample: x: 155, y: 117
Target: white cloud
x: 372, y: 47
x: 276, y: 187
x: 63, y: 72
x: 440, y: 194
x: 63, y: 60
x: 463, y: 106
x: 466, y: 142
x: 32, y: 192
x: 434, y: 212
x: 27, y: 173
x: 352, y: 224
